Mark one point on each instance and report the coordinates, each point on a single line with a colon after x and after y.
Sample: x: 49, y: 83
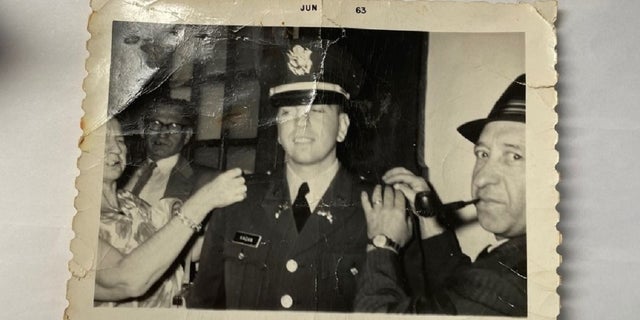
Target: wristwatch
x: 383, y: 242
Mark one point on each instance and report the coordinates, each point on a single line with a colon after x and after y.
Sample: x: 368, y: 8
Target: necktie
x: 144, y: 174
x: 483, y: 253
x: 300, y: 208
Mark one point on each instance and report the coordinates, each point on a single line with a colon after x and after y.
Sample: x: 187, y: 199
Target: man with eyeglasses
x: 168, y: 125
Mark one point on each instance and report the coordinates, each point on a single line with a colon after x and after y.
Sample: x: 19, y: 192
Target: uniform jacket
x: 254, y: 258
x: 495, y: 284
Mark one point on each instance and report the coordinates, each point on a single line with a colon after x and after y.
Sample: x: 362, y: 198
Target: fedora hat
x: 510, y: 107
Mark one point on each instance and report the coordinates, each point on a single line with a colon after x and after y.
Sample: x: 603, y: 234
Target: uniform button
x: 292, y: 265
x: 286, y: 301
x: 240, y: 256
x: 354, y: 271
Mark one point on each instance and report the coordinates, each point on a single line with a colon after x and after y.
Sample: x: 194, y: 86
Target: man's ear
x: 187, y: 135
x: 278, y: 132
x: 343, y: 126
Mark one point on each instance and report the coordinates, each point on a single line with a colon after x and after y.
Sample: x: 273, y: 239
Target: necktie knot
x: 150, y: 165
x: 303, y: 190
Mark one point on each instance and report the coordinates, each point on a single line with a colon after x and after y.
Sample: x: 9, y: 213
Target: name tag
x: 247, y: 239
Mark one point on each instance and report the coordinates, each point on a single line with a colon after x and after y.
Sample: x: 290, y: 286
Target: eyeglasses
x: 159, y: 126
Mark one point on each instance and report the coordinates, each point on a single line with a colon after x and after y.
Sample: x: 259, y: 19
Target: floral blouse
x: 133, y: 225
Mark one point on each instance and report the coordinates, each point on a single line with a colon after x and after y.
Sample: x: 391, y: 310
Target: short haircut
x: 187, y: 109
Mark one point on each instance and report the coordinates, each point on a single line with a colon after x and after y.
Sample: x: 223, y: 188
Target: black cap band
x: 306, y: 97
x: 510, y: 107
x: 315, y: 71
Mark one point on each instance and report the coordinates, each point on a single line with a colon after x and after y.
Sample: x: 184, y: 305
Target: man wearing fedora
x: 496, y: 282
x: 298, y: 241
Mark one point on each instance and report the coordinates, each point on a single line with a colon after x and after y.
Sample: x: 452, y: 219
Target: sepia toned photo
x: 257, y: 160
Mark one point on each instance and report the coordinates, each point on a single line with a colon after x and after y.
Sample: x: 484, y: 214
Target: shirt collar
x: 317, y: 186
x: 497, y: 244
x: 166, y: 164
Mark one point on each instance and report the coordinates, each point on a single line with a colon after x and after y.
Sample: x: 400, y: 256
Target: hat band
x: 310, y: 85
x: 508, y: 111
x: 305, y: 97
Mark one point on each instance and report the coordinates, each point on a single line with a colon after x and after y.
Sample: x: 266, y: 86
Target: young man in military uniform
x: 298, y: 241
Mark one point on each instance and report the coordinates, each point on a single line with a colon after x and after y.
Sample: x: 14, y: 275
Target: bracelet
x: 186, y: 221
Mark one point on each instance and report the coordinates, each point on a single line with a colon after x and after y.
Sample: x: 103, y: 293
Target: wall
x: 467, y: 73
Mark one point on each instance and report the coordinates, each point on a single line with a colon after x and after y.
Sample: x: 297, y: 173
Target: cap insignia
x: 299, y: 60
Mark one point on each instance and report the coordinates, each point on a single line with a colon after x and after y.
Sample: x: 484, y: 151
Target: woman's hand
x: 226, y: 189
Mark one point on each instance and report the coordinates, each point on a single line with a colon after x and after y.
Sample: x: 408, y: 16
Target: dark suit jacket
x: 316, y: 269
x: 185, y: 178
x: 495, y: 284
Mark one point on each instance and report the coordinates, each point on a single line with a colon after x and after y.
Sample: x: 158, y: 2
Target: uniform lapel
x: 277, y: 206
x: 180, y: 183
x: 332, y: 213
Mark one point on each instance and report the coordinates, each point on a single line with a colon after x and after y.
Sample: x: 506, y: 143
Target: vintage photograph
x: 265, y: 111
x: 316, y: 168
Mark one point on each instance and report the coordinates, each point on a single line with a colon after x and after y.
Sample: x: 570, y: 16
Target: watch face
x: 379, y: 241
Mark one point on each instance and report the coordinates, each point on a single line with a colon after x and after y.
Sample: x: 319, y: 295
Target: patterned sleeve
x: 164, y: 210
x: 133, y: 225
